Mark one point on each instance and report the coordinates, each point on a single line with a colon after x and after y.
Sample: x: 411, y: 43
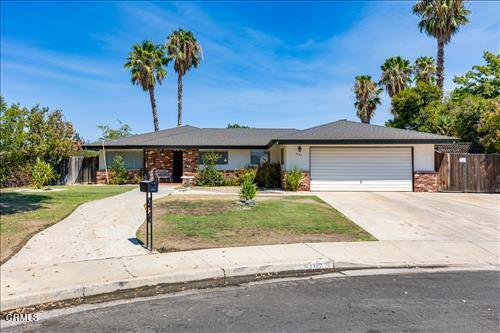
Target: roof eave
x: 369, y: 142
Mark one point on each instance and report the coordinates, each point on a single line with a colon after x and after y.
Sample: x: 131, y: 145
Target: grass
x: 24, y: 214
x: 194, y: 222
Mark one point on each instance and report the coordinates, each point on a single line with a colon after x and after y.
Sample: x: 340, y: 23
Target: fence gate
x: 468, y: 172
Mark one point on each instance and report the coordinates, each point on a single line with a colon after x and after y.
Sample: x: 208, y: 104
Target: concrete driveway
x: 421, y: 216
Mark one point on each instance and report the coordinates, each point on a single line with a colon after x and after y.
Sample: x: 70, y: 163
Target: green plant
x: 268, y: 175
x: 246, y: 172
x: 293, y: 179
x: 209, y: 176
x: 42, y: 174
x: 248, y: 189
x: 119, y: 174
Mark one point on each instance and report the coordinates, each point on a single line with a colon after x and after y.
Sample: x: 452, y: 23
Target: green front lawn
x: 23, y: 214
x: 194, y: 222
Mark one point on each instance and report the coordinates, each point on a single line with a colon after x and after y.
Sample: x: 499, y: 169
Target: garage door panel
x: 361, y: 169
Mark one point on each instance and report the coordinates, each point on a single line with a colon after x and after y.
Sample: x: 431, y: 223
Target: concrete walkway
x: 98, y: 229
x: 47, y: 283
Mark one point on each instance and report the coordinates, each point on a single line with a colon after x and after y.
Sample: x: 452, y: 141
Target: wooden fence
x: 78, y: 170
x: 468, y: 172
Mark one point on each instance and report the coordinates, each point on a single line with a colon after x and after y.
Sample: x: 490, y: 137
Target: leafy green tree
x: 481, y: 80
x: 441, y: 19
x: 28, y: 134
x: 367, y: 94
x: 408, y: 104
x: 109, y: 133
x: 425, y: 70
x: 236, y: 126
x: 147, y: 63
x: 185, y: 50
x: 396, y: 75
x: 489, y: 128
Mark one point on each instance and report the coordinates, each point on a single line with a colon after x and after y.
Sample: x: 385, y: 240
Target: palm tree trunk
x: 153, y: 106
x: 440, y: 63
x: 179, y: 100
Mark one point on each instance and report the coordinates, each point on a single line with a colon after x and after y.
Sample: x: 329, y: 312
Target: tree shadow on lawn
x: 13, y: 202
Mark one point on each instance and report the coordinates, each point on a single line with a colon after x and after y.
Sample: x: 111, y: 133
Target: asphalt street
x: 424, y: 302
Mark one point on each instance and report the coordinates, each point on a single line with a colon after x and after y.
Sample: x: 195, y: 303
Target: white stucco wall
x: 240, y: 158
x: 423, y: 156
x: 236, y: 159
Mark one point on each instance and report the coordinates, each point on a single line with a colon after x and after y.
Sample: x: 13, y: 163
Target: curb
x: 185, y: 278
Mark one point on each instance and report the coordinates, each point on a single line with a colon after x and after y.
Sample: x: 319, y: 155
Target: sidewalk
x: 45, y: 283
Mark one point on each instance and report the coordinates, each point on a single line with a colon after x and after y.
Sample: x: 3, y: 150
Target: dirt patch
x: 12, y: 243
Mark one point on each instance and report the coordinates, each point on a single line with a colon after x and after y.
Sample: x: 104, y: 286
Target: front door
x: 177, y: 166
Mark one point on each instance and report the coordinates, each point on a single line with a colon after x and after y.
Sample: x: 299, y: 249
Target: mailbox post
x: 149, y: 187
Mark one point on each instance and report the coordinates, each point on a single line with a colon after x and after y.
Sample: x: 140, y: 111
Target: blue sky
x: 266, y: 64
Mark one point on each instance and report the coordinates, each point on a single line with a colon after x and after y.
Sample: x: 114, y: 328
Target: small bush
x: 247, y: 172
x: 269, y: 175
x: 293, y: 179
x: 43, y: 174
x: 209, y: 176
x: 119, y: 174
x: 248, y: 189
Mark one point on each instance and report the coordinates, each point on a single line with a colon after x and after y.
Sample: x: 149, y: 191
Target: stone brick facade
x: 134, y: 176
x: 425, y: 181
x: 163, y: 159
x: 305, y: 184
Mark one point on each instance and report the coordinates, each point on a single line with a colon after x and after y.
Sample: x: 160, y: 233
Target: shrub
x: 248, y: 189
x: 269, y: 175
x: 119, y: 174
x: 293, y: 179
x: 247, y: 172
x: 209, y: 176
x: 43, y: 174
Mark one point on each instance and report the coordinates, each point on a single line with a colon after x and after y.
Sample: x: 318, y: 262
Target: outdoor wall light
x: 299, y: 149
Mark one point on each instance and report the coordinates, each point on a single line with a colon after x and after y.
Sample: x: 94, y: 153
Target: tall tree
x: 396, y: 75
x: 441, y: 19
x: 109, y: 133
x: 367, y: 95
x: 482, y: 80
x: 186, y: 52
x: 147, y: 63
x: 425, y: 70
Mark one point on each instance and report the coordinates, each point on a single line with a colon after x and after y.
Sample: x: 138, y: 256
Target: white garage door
x: 361, y: 169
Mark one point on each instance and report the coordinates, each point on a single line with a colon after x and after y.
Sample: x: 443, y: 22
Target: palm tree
x: 367, y: 95
x: 441, y: 19
x: 396, y: 75
x: 147, y: 63
x: 183, y: 47
x: 425, y: 69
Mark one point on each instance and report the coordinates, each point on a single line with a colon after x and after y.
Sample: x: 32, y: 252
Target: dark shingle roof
x: 344, y: 131
x: 341, y: 131
x: 188, y: 136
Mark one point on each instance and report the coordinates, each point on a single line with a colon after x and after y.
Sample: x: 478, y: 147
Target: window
x: 259, y: 157
x: 131, y: 159
x: 223, y: 159
x: 282, y: 156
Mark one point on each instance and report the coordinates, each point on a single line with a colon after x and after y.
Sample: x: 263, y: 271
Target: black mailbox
x: 149, y: 186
